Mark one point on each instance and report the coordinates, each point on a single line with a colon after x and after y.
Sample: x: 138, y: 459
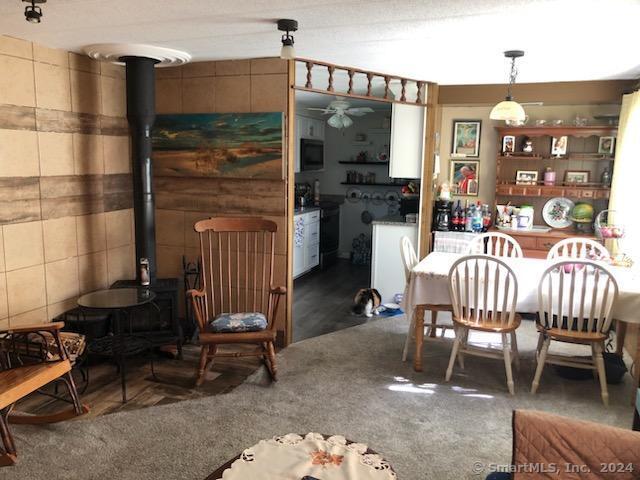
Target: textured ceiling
x: 447, y: 41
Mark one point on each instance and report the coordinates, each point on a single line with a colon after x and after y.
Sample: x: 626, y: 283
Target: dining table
x: 428, y: 287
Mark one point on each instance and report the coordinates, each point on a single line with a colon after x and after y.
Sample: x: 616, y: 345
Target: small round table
x: 119, y: 345
x: 310, y: 457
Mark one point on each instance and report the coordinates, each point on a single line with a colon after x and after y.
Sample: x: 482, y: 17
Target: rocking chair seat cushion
x: 238, y: 322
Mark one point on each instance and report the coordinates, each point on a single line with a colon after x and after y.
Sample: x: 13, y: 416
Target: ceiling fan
x: 340, y: 113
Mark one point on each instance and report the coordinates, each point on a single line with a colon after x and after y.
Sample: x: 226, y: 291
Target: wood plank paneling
x: 118, y: 192
x: 19, y: 200
x: 14, y: 117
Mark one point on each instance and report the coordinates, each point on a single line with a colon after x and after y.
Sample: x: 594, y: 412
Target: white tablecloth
x: 429, y: 285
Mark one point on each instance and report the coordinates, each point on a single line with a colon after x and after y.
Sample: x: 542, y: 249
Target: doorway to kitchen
x: 343, y: 189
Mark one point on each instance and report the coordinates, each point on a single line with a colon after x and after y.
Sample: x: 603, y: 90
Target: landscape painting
x: 244, y: 145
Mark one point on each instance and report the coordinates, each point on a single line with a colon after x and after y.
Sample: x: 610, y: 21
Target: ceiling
x: 446, y: 41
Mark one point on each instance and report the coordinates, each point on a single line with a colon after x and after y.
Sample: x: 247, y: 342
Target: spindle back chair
x: 495, y: 244
x: 577, y: 247
x: 237, y: 285
x: 484, y: 292
x: 410, y: 260
x: 575, y: 302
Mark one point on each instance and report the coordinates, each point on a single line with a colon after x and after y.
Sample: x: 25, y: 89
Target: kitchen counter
x: 392, y: 220
x: 311, y: 208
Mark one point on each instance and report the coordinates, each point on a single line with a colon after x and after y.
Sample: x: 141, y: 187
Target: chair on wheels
x: 495, y: 244
x: 577, y: 247
x: 410, y: 260
x: 575, y: 299
x: 237, y: 302
x: 30, y: 358
x: 484, y: 291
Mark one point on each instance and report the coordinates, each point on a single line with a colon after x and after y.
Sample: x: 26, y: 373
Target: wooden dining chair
x: 577, y: 247
x: 410, y: 260
x: 484, y: 291
x: 409, y: 256
x: 575, y: 299
x: 495, y: 244
x: 237, y: 302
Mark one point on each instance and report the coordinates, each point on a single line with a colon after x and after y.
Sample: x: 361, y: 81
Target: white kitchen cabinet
x: 306, y: 247
x: 407, y: 141
x: 387, y: 269
x: 306, y: 127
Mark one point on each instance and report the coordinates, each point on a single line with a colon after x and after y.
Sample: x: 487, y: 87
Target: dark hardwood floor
x: 175, y: 382
x: 322, y: 300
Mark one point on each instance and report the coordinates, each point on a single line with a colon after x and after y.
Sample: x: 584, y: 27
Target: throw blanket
x: 548, y: 446
x: 452, y: 242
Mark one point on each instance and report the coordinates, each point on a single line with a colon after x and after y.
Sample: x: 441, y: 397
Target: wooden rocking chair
x: 43, y: 344
x: 237, y: 302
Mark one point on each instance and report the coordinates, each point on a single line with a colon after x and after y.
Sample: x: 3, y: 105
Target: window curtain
x: 626, y: 181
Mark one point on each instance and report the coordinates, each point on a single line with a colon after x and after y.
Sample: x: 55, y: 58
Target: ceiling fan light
x: 346, y: 121
x: 508, y: 110
x: 287, y: 52
x: 335, y: 121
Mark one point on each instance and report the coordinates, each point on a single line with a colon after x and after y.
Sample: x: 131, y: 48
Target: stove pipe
x: 141, y: 115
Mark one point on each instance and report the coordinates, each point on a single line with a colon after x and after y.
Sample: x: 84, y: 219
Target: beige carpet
x: 350, y: 382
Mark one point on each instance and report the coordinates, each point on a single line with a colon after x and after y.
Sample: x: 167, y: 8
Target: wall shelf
x: 592, y: 192
x: 345, y: 162
x: 387, y: 184
x: 569, y: 157
x: 559, y: 130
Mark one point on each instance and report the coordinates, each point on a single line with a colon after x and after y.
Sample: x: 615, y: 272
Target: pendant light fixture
x: 509, y: 110
x: 32, y: 13
x: 287, y: 25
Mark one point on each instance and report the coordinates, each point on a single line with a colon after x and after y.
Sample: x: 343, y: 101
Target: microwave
x: 311, y: 154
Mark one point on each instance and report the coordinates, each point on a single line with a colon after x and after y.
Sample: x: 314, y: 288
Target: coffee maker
x: 442, y: 215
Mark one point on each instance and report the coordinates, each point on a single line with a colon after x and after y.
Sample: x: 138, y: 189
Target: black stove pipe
x: 141, y: 114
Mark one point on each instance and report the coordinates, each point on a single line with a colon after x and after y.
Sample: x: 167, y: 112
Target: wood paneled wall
x: 256, y: 85
x: 65, y: 181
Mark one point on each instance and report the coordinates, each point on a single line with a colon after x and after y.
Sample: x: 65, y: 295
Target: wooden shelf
x: 559, y: 130
x: 387, y: 184
x: 345, y: 162
x: 550, y: 157
x: 592, y: 192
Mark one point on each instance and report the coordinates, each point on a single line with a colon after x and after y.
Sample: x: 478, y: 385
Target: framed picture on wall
x: 464, y: 177
x: 466, y: 138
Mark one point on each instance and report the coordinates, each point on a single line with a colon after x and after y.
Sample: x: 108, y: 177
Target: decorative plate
x: 557, y: 212
x: 366, y: 196
x: 353, y: 194
x: 392, y: 197
x: 377, y: 198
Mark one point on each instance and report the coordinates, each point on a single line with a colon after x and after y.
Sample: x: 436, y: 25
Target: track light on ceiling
x: 33, y: 13
x: 287, y: 25
x: 509, y: 110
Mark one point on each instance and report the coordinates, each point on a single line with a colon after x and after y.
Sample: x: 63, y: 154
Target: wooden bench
x: 16, y: 382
